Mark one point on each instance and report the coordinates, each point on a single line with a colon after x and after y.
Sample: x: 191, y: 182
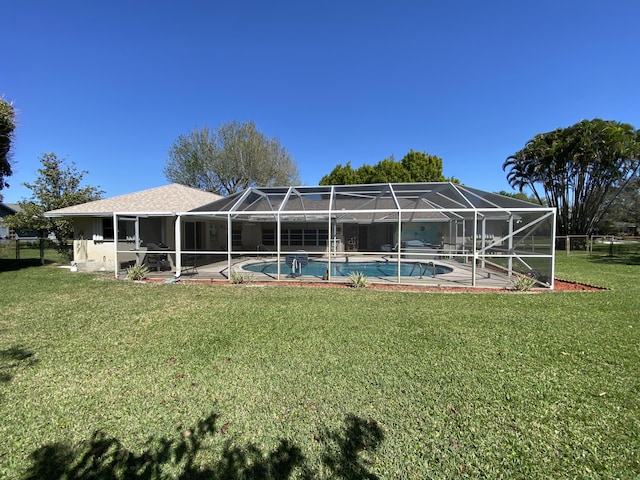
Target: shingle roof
x: 166, y: 199
x: 9, y: 208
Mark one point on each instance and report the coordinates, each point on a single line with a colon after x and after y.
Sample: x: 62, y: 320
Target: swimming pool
x: 344, y: 269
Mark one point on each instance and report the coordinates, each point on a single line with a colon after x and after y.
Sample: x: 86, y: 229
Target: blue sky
x: 111, y: 84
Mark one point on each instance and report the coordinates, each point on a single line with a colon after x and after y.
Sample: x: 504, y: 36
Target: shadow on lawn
x: 103, y: 457
x: 11, y: 264
x: 616, y: 260
x: 13, y: 358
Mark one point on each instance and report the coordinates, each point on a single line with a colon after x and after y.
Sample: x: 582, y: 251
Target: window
x: 268, y: 237
x: 311, y: 237
x: 125, y: 229
x: 236, y: 238
x: 295, y: 237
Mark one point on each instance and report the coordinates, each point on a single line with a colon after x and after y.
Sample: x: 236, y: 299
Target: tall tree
x: 414, y: 167
x: 229, y: 159
x: 7, y: 126
x: 518, y: 196
x: 576, y: 170
x: 57, y: 186
x: 423, y: 167
x: 625, y: 208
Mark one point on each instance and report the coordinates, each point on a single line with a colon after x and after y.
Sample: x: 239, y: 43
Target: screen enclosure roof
x: 385, y: 202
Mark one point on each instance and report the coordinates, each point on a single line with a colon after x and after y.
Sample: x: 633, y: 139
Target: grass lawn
x: 103, y: 379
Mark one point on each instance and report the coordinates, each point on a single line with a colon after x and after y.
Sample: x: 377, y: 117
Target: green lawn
x: 103, y: 379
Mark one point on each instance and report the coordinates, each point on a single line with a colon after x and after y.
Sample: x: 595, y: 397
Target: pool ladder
x: 296, y: 268
x: 422, y: 269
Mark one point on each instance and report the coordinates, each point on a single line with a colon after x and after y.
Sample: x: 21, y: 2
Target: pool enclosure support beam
x: 474, y: 250
x: 177, y: 229
x: 483, y: 241
x: 136, y: 238
x: 399, y: 249
x: 333, y: 244
x: 116, y: 270
x: 278, y: 243
x: 333, y: 228
x: 229, y: 244
x: 510, y: 245
x: 553, y: 249
x: 399, y: 210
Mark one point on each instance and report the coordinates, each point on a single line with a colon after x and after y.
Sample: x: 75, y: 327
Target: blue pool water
x: 342, y: 269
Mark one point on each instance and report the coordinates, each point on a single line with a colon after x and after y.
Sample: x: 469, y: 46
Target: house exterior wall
x: 92, y: 253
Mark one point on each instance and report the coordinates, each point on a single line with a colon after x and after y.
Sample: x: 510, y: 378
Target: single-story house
x: 141, y: 222
x: 482, y: 232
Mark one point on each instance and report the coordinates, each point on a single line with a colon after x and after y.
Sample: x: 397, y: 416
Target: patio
x: 458, y: 277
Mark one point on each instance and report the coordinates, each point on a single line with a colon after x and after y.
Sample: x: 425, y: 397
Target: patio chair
x: 155, y: 259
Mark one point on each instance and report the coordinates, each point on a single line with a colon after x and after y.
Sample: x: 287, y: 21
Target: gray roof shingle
x: 165, y: 199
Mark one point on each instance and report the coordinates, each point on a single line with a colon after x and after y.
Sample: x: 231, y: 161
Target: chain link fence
x: 33, y: 250
x: 605, y: 245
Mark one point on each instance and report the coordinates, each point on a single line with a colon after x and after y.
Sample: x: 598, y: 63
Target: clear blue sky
x: 111, y: 84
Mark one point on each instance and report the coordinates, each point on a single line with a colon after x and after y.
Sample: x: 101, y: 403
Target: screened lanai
x: 400, y: 233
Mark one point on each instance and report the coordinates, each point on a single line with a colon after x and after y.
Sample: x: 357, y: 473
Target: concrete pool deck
x: 460, y: 276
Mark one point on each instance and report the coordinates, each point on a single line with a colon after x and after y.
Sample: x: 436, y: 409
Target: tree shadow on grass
x: 358, y: 435
x: 14, y: 358
x: 616, y: 259
x: 104, y: 458
x: 11, y: 264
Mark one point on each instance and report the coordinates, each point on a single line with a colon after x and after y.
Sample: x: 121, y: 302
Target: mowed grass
x: 105, y: 379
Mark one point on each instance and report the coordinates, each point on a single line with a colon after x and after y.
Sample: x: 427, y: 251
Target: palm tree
x: 576, y: 169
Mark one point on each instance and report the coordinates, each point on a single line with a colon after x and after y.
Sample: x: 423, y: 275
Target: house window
x: 295, y: 237
x: 125, y: 229
x: 236, y: 238
x: 268, y: 237
x: 311, y: 237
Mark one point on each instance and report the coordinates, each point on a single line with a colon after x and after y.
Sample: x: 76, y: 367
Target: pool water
x: 343, y: 269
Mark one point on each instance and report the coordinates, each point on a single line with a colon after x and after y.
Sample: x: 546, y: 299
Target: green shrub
x: 522, y: 283
x: 239, y: 277
x: 358, y: 279
x: 137, y: 272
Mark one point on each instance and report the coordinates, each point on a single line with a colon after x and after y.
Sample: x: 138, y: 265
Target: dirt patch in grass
x: 567, y: 286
